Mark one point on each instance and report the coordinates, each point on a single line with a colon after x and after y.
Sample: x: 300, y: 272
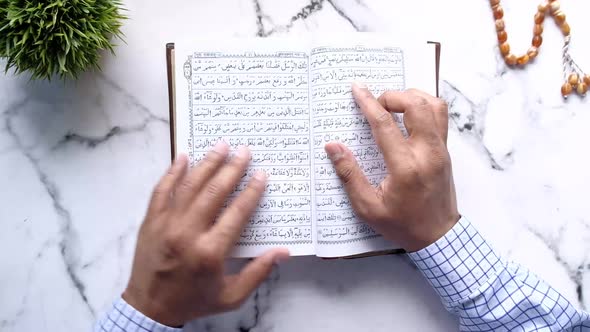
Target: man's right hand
x: 415, y: 204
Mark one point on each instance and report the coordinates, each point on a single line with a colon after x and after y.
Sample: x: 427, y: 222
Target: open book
x: 286, y: 99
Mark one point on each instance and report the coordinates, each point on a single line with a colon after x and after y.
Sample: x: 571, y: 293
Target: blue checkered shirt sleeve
x: 486, y: 293
x: 124, y: 318
x: 489, y: 294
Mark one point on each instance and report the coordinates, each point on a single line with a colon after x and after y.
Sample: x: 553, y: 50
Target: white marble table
x: 78, y: 161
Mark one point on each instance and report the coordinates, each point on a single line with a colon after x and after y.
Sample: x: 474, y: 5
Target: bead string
x: 573, y: 76
x: 566, y: 62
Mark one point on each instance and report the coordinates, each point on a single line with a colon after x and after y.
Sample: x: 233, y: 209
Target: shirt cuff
x: 457, y: 264
x: 124, y: 318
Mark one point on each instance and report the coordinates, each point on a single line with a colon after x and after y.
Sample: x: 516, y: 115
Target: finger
x: 203, y: 171
x: 361, y: 193
x: 398, y: 102
x: 418, y: 117
x: 165, y: 188
x: 215, y: 191
x: 440, y: 111
x: 230, y: 224
x: 239, y: 287
x: 387, y: 134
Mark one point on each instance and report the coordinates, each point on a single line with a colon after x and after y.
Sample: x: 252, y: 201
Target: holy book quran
x: 285, y: 99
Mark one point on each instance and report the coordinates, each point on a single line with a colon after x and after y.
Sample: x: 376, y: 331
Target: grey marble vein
x: 25, y: 297
x: 575, y: 273
x: 261, y: 299
x: 467, y: 117
x: 118, y: 242
x: 15, y: 105
x: 6, y: 323
x: 134, y: 100
x: 68, y: 242
x: 344, y: 15
x: 243, y: 327
x: 259, y: 17
x: 94, y: 141
x: 302, y: 14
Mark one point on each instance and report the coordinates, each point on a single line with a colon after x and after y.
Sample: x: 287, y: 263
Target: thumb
x: 239, y: 287
x: 361, y: 193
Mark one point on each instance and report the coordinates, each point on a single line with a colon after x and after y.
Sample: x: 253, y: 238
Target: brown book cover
x: 172, y: 97
x: 172, y: 113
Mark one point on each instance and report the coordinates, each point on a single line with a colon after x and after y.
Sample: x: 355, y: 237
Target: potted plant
x: 60, y: 38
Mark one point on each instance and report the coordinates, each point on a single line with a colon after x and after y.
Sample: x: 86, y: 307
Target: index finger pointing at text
x: 387, y: 134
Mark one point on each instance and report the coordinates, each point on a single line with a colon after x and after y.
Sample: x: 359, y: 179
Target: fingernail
x: 359, y: 85
x: 334, y: 151
x: 260, y: 176
x: 221, y: 147
x: 282, y: 256
x: 243, y: 152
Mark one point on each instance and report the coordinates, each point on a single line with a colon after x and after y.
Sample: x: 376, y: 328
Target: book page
x: 336, y: 117
x: 255, y: 96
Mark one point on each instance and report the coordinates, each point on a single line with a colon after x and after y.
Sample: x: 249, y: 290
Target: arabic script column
x: 261, y: 101
x: 336, y: 117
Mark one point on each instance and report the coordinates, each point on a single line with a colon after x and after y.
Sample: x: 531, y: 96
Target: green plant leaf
x: 62, y: 62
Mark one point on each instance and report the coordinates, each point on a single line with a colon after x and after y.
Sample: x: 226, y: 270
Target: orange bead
x: 559, y: 17
x: 554, y: 6
x: 532, y: 52
x: 573, y: 79
x: 582, y: 89
x: 523, y: 60
x: 566, y: 89
x: 538, y: 29
x: 587, y: 80
x: 502, y: 36
x: 543, y: 6
x: 500, y: 25
x: 494, y: 2
x: 510, y: 59
x: 539, y: 17
x: 498, y: 12
x: 505, y: 48
x: 565, y: 28
x: 537, y: 41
